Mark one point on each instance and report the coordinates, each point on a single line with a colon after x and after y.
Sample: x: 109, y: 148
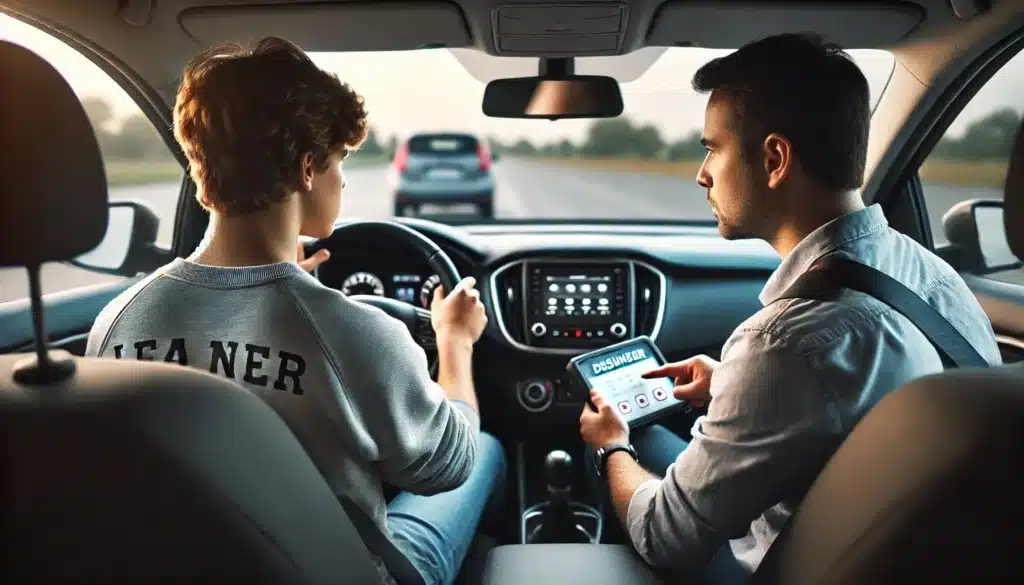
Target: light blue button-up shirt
x: 794, y: 380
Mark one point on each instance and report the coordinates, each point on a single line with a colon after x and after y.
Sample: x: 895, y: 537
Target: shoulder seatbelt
x: 400, y: 567
x: 827, y: 278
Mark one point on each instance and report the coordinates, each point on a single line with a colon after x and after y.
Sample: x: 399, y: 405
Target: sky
x: 430, y: 89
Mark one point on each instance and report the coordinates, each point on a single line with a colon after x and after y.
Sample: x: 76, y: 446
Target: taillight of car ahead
x: 401, y: 158
x: 484, y: 156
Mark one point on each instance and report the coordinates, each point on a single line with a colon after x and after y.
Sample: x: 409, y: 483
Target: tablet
x: 616, y: 371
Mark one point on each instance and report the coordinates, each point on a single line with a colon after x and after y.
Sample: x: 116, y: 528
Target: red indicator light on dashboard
x: 579, y: 333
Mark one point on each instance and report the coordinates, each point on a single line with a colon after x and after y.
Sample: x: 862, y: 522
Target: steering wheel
x: 416, y: 319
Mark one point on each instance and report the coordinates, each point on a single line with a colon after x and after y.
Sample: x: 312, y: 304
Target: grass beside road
x: 120, y: 174
x: 965, y: 174
x: 956, y: 173
x: 125, y: 173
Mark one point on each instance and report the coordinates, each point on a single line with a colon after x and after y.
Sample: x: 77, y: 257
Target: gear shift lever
x: 558, y: 473
x: 557, y: 521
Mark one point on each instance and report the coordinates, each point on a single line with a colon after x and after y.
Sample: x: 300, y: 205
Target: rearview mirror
x: 975, y: 229
x: 128, y: 247
x: 574, y: 96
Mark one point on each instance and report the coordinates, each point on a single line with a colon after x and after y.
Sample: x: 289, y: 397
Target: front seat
x: 125, y: 471
x: 929, y: 487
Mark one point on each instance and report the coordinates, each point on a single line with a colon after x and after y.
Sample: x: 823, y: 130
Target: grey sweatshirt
x: 348, y: 379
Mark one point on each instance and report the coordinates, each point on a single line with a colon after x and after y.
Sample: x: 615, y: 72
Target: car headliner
x: 151, y: 41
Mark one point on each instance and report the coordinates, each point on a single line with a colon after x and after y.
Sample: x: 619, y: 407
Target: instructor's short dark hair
x: 804, y: 88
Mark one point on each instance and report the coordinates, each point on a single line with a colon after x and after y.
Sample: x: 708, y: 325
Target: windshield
x: 639, y: 166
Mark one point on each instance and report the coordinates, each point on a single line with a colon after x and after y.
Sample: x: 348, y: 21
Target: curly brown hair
x: 245, y: 116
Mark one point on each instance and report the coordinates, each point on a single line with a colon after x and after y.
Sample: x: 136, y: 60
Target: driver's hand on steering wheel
x: 459, y: 316
x: 310, y: 264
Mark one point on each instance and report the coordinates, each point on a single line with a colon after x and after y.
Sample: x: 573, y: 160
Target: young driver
x: 265, y: 132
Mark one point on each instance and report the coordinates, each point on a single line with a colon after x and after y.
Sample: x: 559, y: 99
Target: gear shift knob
x: 558, y: 470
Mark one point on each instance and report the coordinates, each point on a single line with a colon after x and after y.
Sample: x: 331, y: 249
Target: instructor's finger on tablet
x: 666, y: 370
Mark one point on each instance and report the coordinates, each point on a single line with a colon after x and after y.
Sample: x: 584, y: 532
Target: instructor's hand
x: 692, y: 378
x: 603, y: 427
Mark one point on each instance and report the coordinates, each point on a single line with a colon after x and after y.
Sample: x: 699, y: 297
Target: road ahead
x: 525, y: 190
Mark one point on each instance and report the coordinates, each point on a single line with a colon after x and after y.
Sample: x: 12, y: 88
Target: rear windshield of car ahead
x: 443, y: 144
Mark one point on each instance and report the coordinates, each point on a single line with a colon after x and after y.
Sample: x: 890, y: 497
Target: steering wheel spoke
x: 423, y: 331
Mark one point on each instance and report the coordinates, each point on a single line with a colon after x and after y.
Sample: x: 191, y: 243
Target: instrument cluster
x: 415, y: 289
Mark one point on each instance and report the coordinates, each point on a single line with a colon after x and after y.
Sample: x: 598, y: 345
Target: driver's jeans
x: 435, y: 532
x: 657, y: 448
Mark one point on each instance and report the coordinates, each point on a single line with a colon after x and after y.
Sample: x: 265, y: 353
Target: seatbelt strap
x: 400, y: 567
x: 827, y: 278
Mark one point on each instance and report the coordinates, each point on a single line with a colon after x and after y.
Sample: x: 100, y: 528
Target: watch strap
x: 605, y: 452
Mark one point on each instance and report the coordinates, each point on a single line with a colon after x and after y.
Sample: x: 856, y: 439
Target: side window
x: 971, y: 159
x: 139, y: 164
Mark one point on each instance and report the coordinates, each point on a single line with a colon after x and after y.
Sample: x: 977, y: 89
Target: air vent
x: 509, y: 292
x: 650, y: 285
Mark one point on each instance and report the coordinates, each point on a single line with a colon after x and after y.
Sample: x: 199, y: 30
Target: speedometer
x: 363, y: 283
x: 427, y: 290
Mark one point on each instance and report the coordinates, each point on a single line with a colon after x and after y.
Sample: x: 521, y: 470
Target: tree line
x: 988, y: 138
x: 135, y: 139
x: 613, y: 137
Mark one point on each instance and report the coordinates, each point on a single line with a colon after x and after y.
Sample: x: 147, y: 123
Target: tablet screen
x: 618, y: 377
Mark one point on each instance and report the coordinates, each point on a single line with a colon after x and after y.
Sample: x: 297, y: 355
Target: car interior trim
x: 851, y: 24
x: 317, y: 26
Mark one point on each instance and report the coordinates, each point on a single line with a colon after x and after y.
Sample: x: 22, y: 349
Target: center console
x: 555, y: 307
x: 551, y: 308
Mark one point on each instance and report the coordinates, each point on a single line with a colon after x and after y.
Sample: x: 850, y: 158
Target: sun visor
x: 728, y: 25
x: 346, y: 26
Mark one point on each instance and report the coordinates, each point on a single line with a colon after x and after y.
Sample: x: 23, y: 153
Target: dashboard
x: 555, y: 293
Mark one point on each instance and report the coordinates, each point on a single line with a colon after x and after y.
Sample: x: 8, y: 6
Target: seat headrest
x: 53, y: 187
x: 1013, y: 200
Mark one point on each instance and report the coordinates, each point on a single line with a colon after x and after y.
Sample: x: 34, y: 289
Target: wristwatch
x: 602, y: 454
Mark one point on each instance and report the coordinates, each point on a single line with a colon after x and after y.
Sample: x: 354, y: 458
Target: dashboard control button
x: 536, y: 395
x: 534, y: 392
x: 538, y: 329
x: 618, y: 330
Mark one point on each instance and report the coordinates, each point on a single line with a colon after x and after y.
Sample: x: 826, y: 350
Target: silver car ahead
x: 443, y: 169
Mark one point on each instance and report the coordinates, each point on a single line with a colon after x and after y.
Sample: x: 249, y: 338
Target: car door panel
x: 69, y: 317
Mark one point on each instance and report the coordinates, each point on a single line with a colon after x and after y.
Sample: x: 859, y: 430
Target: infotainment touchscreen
x: 616, y: 371
x: 581, y: 294
x: 578, y: 304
